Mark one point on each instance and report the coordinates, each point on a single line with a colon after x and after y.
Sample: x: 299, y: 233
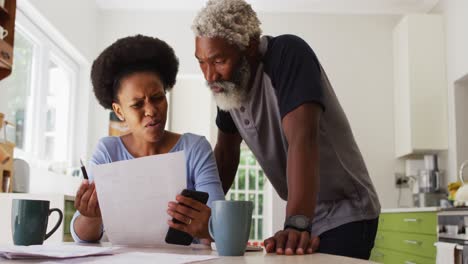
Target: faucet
x: 460, y: 173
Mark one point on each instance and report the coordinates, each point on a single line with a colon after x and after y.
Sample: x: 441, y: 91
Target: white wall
x: 76, y: 20
x: 191, y: 106
x: 455, y: 13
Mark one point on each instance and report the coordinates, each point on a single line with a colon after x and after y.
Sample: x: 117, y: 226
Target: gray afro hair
x: 233, y: 20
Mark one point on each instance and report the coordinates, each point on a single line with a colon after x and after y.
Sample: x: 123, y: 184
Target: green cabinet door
x: 415, y: 244
x: 388, y: 256
x: 421, y: 222
x: 68, y: 215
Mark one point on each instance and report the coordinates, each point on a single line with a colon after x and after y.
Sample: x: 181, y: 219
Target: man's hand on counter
x: 292, y: 242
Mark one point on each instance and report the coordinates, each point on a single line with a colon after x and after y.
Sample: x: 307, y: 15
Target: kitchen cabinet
x: 420, y: 86
x: 406, y: 237
x: 7, y: 22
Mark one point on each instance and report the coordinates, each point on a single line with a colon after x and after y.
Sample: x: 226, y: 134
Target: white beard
x: 229, y: 100
x: 234, y: 92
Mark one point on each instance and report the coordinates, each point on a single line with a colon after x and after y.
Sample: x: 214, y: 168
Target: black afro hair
x: 129, y: 55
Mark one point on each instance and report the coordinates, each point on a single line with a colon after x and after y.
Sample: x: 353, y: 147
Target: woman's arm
x: 205, y: 178
x: 86, y: 225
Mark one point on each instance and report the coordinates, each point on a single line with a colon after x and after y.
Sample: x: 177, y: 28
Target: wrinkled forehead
x: 140, y: 84
x: 208, y: 47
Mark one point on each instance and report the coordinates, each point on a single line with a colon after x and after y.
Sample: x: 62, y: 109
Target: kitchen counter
x: 249, y: 257
x: 410, y: 209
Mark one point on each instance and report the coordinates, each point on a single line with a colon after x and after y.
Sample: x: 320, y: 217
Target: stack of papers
x: 53, y: 251
x: 142, y: 258
x: 97, y: 255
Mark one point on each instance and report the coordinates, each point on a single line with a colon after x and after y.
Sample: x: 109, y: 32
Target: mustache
x: 226, y: 85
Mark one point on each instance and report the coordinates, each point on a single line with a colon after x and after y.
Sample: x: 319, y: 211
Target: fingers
x: 181, y: 226
x: 291, y: 242
x: 280, y: 238
x: 190, y: 208
x: 313, y: 245
x: 97, y: 210
x: 86, y: 196
x: 83, y: 187
x: 92, y: 203
x: 190, y: 202
x: 303, y: 243
x: 84, y: 206
x: 270, y: 245
x: 184, y: 219
x: 189, y: 216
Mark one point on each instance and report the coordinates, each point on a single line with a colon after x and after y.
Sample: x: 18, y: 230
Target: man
x: 273, y: 93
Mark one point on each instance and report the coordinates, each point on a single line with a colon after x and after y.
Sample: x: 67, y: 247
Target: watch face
x: 301, y: 222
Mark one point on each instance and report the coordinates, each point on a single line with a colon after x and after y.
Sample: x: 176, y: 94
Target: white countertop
x: 410, y: 209
x: 249, y: 257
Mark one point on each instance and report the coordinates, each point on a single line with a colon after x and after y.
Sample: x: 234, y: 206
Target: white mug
x: 3, y: 33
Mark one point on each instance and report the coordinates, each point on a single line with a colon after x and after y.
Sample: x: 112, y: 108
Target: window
x: 39, y: 96
x: 16, y: 92
x: 249, y: 186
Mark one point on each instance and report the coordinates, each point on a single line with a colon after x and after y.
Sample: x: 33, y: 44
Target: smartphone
x: 178, y: 237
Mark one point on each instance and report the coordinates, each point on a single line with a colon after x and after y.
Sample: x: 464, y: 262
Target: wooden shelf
x: 6, y: 55
x: 7, y: 21
x: 4, y: 14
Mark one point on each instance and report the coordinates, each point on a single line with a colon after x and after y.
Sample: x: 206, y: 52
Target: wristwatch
x: 299, y: 222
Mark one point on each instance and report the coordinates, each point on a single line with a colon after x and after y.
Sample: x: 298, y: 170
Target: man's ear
x: 118, y: 111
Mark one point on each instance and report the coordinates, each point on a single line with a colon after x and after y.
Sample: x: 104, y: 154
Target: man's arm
x: 301, y: 128
x: 227, y: 153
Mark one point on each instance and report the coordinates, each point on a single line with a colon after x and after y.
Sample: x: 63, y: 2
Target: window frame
x: 246, y: 191
x: 45, y: 51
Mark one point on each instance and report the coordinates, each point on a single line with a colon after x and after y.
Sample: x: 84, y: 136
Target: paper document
x: 151, y: 258
x: 53, y: 251
x: 133, y: 197
x: 140, y: 258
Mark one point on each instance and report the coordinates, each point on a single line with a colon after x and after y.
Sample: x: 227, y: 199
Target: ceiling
x: 313, y: 6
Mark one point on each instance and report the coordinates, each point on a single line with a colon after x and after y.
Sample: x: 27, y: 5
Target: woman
x: 131, y: 77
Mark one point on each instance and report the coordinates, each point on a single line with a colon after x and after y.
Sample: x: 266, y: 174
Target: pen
x: 83, y: 170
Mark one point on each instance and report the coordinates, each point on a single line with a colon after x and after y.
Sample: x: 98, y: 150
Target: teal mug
x: 29, y: 220
x: 229, y: 226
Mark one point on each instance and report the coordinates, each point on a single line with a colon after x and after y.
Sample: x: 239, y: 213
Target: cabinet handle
x: 410, y: 220
x: 412, y: 242
x: 409, y: 262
